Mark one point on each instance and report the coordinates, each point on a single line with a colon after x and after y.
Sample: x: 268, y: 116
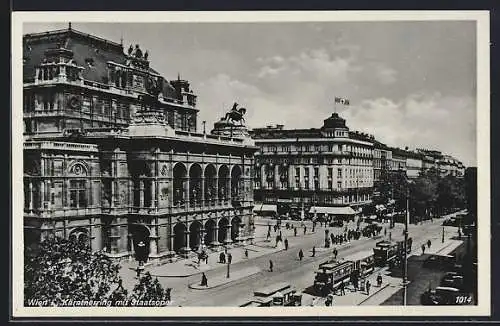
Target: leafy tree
x: 149, y: 289
x: 58, y: 270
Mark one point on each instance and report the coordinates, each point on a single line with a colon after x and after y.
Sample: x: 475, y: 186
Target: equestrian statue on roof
x: 236, y: 114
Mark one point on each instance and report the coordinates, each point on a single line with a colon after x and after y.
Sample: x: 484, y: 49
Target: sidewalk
x: 188, y: 267
x: 222, y: 279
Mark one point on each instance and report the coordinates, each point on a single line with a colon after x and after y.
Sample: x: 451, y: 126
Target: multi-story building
x: 398, y: 162
x: 327, y: 170
x: 382, y: 160
x: 113, y: 157
x: 414, y: 164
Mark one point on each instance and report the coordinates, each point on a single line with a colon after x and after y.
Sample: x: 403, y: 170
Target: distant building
x: 113, y: 157
x: 326, y: 171
x: 398, y: 160
x: 382, y: 160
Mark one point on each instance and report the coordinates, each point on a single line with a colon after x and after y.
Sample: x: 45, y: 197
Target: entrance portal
x: 209, y: 232
x: 223, y: 223
x: 140, y: 241
x: 235, y: 227
x: 179, y: 236
x: 194, y: 235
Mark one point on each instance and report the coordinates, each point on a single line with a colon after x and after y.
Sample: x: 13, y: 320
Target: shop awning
x: 332, y: 210
x: 265, y: 208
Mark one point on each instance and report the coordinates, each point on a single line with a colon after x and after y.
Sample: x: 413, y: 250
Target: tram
x: 330, y: 276
x: 388, y: 252
x: 364, y: 262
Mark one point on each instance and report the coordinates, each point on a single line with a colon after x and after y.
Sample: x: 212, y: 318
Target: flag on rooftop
x: 341, y: 100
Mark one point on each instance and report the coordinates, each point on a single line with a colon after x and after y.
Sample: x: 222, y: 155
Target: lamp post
x: 405, y: 271
x: 442, y: 237
x: 227, y: 275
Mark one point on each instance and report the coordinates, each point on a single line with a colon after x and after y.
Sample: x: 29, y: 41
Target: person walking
x: 301, y: 254
x: 429, y: 244
x: 268, y: 234
x: 379, y: 280
x: 270, y: 265
x: 305, y: 229
x: 294, y: 231
x: 423, y: 249
x: 204, y: 280
x: 342, y: 288
x: 335, y: 252
x: 286, y: 244
x: 229, y: 258
x: 206, y: 258
x: 314, y: 251
x: 367, y: 287
x: 246, y: 253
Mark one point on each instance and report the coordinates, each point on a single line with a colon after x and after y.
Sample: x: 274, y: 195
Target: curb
x: 224, y: 283
x: 374, y: 293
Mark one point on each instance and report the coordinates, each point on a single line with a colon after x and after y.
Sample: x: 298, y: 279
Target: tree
x: 60, y: 270
x: 149, y: 290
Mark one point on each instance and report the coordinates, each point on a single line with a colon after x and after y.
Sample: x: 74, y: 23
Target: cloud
x: 386, y: 75
x: 446, y: 123
x: 298, y: 91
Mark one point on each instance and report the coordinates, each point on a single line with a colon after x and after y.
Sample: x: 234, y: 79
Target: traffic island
x: 222, y: 279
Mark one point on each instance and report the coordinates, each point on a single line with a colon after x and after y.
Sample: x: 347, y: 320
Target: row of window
x: 316, y: 148
x: 314, y: 160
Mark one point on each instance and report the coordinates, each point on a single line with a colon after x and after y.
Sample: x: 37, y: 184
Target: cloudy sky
x: 409, y: 83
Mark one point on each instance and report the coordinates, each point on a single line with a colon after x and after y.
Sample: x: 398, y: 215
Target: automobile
x: 442, y: 295
x: 439, y: 261
x: 450, y: 222
x: 453, y: 279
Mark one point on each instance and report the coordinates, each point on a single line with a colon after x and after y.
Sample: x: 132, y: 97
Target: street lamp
x: 442, y: 238
x: 407, y: 219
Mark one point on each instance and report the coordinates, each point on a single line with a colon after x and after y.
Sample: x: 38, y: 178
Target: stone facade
x: 112, y: 154
x: 303, y: 168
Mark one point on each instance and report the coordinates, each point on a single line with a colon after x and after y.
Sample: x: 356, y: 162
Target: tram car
x: 279, y: 294
x: 364, y: 262
x: 330, y: 276
x: 389, y: 252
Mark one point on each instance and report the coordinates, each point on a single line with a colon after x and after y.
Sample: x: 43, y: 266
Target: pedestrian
x: 379, y: 280
x: 270, y: 265
x: 314, y: 226
x: 246, y: 253
x: 367, y: 287
x: 204, y: 280
x: 168, y: 295
x: 314, y: 251
x: 385, y: 232
x: 294, y: 231
x: 390, y: 236
x: 286, y: 244
x: 268, y: 234
x: 428, y: 243
x: 335, y: 253
x: 229, y: 258
x: 342, y: 288
x: 301, y: 254
x: 305, y: 229
x: 206, y: 258
x: 423, y: 249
